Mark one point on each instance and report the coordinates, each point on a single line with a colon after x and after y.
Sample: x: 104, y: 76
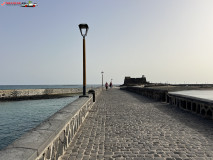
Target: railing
x: 194, y: 105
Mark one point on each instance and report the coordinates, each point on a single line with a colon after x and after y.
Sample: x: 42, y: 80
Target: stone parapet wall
x: 36, y: 93
x: 159, y: 95
x: 194, y: 105
x: 50, y: 139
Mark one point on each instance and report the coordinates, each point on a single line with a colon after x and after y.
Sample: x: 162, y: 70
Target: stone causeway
x: 124, y: 125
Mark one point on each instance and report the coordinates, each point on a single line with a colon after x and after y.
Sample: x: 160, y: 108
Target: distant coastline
x: 10, y: 87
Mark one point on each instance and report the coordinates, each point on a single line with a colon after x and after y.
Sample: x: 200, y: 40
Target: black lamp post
x: 84, y: 29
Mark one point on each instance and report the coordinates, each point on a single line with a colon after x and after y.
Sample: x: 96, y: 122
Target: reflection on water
x: 204, y: 94
x: 17, y: 117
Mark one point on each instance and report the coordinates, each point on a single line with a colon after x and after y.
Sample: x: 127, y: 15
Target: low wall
x: 156, y: 94
x: 50, y: 139
x: 18, y: 94
x: 194, y: 105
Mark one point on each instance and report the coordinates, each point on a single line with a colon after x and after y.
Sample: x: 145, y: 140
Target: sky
x: 168, y: 41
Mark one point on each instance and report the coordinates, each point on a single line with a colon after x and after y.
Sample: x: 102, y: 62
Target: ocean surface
x: 18, y: 117
x: 204, y: 94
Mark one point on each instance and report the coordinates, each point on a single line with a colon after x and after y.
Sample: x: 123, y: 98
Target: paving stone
x: 124, y: 125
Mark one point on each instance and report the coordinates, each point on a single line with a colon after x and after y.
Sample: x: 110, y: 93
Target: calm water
x: 18, y: 117
x: 204, y: 94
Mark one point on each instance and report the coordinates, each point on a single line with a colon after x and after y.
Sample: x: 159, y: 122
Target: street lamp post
x: 84, y: 29
x: 102, y: 79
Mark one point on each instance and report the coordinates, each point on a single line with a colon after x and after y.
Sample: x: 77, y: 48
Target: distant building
x: 128, y: 81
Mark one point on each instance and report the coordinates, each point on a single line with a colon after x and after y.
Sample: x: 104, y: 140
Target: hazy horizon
x: 167, y: 41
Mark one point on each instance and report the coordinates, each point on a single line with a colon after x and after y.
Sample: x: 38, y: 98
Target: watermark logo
x: 22, y: 4
x: 29, y: 4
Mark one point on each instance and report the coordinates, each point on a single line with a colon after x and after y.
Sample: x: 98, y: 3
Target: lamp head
x: 84, y: 29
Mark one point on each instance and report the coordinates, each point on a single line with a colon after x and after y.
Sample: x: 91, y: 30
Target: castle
x: 128, y: 81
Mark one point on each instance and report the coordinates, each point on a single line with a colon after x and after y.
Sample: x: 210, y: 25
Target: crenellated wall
x: 50, y: 139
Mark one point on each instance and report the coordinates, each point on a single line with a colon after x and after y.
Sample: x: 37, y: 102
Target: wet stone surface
x: 124, y: 125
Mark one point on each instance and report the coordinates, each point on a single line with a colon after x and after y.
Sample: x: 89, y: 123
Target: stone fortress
x: 128, y: 81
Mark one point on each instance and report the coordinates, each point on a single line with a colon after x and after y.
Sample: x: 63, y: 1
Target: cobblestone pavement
x: 124, y: 125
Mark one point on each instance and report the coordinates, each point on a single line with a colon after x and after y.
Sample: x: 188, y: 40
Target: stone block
x: 51, y: 125
x: 18, y: 154
x: 35, y: 140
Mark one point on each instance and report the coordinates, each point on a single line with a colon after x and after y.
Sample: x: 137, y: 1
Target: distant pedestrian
x: 106, y: 85
x: 110, y: 84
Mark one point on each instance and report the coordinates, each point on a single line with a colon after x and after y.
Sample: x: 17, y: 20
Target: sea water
x: 18, y: 117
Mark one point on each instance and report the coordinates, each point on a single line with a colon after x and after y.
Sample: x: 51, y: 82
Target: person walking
x: 106, y: 85
x: 110, y: 84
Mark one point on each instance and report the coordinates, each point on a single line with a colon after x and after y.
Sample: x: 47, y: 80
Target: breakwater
x: 201, y: 107
x: 50, y: 139
x: 20, y: 94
